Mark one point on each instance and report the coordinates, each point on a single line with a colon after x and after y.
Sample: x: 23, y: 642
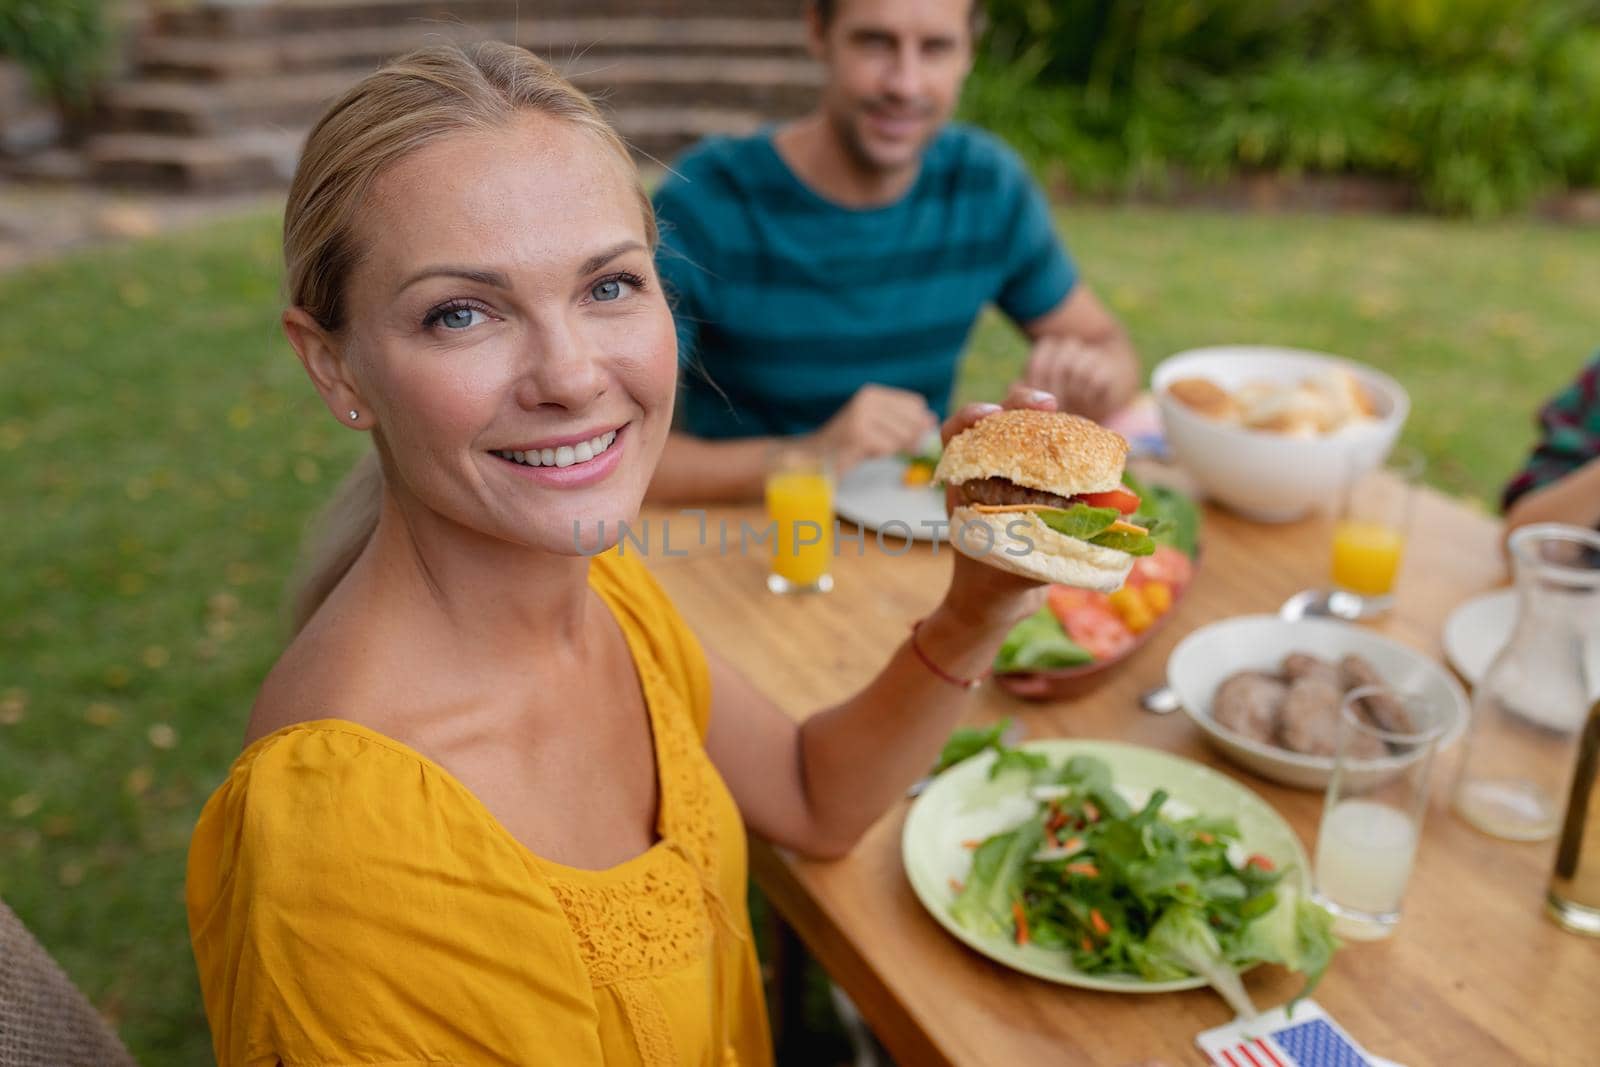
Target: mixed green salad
x: 1129, y: 890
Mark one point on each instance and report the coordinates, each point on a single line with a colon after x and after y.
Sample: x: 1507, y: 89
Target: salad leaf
x: 1177, y: 516
x: 984, y: 905
x: 1134, y: 544
x: 1183, y: 937
x: 1013, y: 771
x: 1039, y: 643
x: 1018, y: 761
x: 1297, y: 933
x: 930, y: 454
x: 1080, y: 520
x: 968, y: 742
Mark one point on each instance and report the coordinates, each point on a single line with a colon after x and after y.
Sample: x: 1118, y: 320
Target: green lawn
x: 161, y: 453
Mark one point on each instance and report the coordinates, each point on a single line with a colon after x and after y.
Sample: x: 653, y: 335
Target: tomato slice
x: 1168, y: 565
x: 1099, y: 631
x: 1124, y: 500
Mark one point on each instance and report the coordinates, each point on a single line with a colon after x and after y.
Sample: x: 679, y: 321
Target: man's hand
x: 877, y: 421
x: 1085, y: 379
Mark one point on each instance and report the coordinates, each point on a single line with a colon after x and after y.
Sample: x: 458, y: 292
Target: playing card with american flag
x: 1273, y: 1039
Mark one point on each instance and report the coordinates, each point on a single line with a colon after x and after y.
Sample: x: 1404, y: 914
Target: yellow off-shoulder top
x: 350, y: 902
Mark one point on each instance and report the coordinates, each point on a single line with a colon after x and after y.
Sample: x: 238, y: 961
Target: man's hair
x: 826, y: 8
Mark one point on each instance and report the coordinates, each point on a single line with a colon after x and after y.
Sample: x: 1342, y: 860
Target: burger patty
x: 998, y: 492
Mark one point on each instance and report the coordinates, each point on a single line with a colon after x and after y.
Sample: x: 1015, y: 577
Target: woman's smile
x: 568, y: 463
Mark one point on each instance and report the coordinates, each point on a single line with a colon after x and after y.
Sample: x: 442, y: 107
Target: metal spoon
x: 1330, y: 603
x: 1009, y: 737
x: 1160, y: 700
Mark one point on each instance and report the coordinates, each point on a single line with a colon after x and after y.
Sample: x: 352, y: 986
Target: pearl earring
x: 354, y: 414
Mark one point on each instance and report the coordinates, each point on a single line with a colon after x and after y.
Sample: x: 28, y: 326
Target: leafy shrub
x: 1482, y: 105
x: 62, y: 43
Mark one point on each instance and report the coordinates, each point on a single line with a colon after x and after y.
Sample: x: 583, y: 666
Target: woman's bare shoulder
x: 319, y: 675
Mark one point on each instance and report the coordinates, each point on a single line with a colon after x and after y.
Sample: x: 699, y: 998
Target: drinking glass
x: 1370, y: 534
x: 800, y: 505
x: 1372, y: 816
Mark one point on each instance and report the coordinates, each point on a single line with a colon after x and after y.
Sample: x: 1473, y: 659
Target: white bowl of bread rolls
x: 1274, y: 433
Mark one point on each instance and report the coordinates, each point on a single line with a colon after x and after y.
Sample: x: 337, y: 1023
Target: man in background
x: 826, y: 273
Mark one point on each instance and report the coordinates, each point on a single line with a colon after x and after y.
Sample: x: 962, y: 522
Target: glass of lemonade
x: 1372, y: 817
x: 799, y: 496
x: 1370, y: 534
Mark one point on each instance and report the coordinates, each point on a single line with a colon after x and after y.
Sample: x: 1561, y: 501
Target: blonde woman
x: 493, y: 801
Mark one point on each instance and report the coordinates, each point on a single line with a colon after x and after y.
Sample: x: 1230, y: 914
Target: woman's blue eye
x: 610, y: 289
x: 458, y: 318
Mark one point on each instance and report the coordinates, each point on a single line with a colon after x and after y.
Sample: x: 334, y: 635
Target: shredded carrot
x: 1088, y: 946
x: 1091, y: 812
x: 1099, y: 923
x: 1088, y: 870
x: 1258, y: 860
x: 956, y: 886
x: 1204, y: 838
x: 1072, y: 844
x: 1057, y: 821
x: 971, y: 843
x: 1021, y: 916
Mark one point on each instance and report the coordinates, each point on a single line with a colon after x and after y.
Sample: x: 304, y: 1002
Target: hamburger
x: 1040, y: 494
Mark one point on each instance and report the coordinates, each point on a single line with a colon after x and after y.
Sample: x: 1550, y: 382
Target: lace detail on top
x: 650, y: 924
x: 651, y: 1031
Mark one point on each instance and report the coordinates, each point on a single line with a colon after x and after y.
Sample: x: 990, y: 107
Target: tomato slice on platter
x: 1098, y: 630
x: 1167, y: 564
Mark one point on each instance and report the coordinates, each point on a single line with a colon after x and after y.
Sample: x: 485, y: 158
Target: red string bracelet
x: 940, y: 672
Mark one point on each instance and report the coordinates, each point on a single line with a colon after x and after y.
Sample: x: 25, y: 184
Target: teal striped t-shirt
x: 788, y: 303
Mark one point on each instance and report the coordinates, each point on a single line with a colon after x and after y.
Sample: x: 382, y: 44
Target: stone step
x: 265, y: 158
x: 217, y: 18
x: 776, y: 86
x: 52, y: 166
x: 656, y: 135
x: 235, y: 57
x: 255, y: 159
x: 183, y: 107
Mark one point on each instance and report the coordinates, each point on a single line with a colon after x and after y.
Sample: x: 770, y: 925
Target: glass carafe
x: 1531, y: 703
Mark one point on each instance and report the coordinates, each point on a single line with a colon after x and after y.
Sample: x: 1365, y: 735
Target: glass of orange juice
x: 800, y: 506
x: 1369, y: 537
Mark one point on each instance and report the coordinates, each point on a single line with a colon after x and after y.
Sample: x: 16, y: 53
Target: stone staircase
x: 220, y: 93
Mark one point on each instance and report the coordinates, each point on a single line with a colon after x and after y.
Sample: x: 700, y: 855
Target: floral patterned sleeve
x: 1569, y: 436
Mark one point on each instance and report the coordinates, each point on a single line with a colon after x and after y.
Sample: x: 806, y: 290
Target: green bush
x: 1481, y: 105
x: 62, y: 43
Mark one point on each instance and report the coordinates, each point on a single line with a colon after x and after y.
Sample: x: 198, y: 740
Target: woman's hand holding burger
x: 982, y: 596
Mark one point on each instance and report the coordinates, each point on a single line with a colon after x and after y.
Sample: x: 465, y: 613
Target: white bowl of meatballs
x: 1273, y: 433
x: 1266, y: 692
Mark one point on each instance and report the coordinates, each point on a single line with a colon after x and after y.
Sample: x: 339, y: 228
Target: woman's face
x: 507, y: 329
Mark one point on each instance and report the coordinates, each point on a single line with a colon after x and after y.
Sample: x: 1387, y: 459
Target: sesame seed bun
x: 1019, y: 542
x: 1044, y: 450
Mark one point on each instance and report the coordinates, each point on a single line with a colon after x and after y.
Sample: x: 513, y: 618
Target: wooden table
x: 1475, y: 974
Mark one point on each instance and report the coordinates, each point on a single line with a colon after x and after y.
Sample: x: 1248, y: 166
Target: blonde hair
x: 422, y: 96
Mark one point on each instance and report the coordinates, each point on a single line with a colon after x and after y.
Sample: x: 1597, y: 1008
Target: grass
x: 160, y: 452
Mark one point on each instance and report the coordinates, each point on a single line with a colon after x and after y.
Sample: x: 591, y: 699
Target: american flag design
x: 1310, y: 1039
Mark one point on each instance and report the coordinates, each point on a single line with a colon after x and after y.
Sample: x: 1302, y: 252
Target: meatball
x: 1298, y: 665
x: 1247, y: 703
x: 1309, y: 721
x: 1381, y: 709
